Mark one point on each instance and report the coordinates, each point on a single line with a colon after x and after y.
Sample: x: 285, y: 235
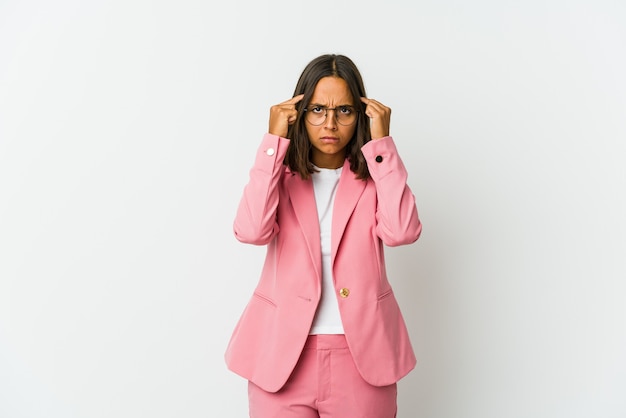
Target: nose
x: 331, y: 119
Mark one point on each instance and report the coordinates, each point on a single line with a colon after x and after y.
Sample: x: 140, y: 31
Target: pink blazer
x: 278, y: 210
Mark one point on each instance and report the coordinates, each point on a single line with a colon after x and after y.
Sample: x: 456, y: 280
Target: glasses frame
x: 326, y: 109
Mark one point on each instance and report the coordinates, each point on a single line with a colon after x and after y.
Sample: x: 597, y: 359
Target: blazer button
x: 270, y: 151
x: 379, y: 159
x: 344, y: 292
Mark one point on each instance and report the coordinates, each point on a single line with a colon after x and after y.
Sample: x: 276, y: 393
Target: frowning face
x: 330, y: 138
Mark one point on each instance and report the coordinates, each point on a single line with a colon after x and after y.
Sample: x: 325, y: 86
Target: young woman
x: 322, y: 335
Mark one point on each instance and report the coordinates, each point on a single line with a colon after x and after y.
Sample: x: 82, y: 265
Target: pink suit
x: 278, y: 210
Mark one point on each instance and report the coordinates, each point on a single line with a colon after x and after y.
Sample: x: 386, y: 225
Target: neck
x: 328, y: 161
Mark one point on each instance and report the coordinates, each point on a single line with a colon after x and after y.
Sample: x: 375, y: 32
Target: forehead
x: 332, y: 90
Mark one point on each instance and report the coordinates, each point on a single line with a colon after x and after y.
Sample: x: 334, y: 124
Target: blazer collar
x: 302, y: 198
x: 349, y: 191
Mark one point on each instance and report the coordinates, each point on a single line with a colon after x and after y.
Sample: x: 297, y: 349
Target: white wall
x: 127, y: 129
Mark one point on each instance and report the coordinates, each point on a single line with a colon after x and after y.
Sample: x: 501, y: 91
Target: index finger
x: 368, y: 101
x: 294, y: 99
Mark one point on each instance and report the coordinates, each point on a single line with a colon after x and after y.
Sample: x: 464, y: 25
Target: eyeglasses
x: 344, y: 115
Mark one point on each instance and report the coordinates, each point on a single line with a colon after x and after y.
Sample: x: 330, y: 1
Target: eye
x: 345, y: 110
x: 318, y: 110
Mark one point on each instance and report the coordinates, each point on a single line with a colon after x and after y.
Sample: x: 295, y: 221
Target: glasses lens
x: 316, y: 115
x: 345, y: 115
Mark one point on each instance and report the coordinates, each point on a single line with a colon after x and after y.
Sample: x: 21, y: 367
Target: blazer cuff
x: 271, y: 152
x: 382, y: 157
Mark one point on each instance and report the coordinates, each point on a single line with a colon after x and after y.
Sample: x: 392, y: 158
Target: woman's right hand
x: 282, y: 115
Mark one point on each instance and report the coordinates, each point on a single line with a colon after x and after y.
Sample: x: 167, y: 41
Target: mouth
x: 329, y: 140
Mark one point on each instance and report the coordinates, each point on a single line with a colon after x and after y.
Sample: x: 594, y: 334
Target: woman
x: 322, y: 335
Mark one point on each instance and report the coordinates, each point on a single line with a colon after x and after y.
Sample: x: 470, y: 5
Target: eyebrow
x: 322, y: 105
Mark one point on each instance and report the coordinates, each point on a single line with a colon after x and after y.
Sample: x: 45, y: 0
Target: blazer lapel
x: 302, y: 198
x: 349, y: 191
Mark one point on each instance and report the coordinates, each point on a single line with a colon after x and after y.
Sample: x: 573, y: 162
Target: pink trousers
x: 324, y: 384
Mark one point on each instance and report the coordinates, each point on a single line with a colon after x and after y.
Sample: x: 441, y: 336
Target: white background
x: 127, y: 129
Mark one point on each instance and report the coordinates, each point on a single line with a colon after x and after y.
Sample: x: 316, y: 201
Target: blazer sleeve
x: 255, y: 222
x: 397, y: 221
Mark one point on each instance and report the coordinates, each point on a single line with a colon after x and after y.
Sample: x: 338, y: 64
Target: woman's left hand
x: 380, y: 117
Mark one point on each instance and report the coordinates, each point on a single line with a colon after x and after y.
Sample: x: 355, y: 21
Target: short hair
x: 298, y: 157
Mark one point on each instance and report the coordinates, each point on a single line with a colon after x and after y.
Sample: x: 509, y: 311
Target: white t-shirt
x: 327, y: 318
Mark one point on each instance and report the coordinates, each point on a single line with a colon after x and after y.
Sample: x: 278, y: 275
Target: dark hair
x: 298, y: 157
